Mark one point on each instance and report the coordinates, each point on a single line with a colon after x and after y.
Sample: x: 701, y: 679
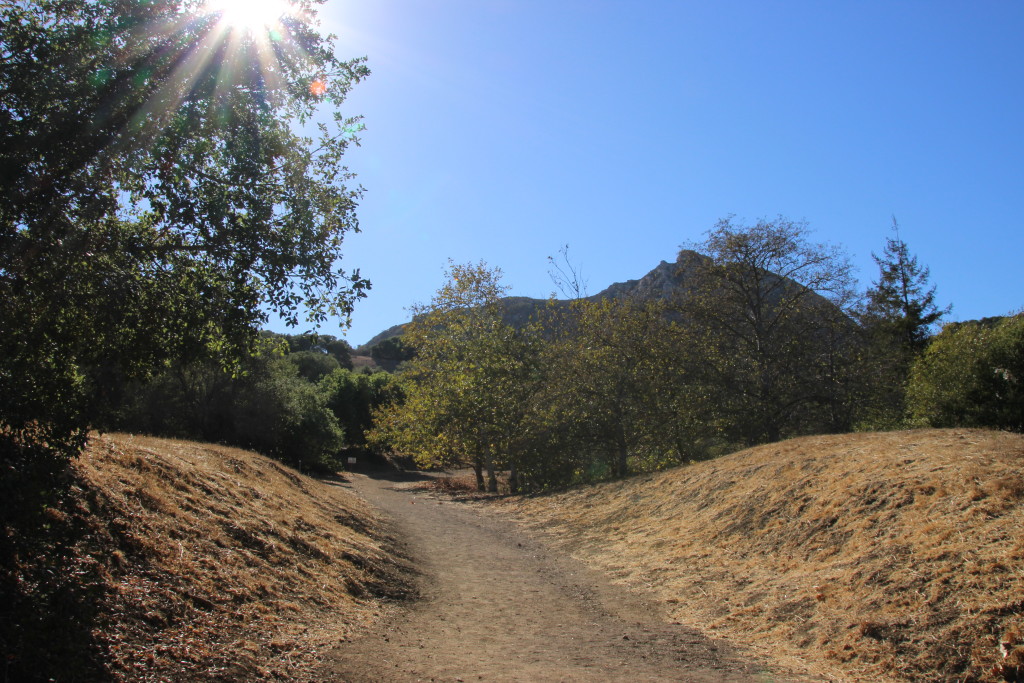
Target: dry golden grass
x: 868, y: 556
x: 222, y: 564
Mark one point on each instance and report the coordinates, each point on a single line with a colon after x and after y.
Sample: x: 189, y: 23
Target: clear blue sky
x: 503, y: 129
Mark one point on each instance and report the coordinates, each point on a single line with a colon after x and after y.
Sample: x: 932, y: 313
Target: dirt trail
x: 496, y: 605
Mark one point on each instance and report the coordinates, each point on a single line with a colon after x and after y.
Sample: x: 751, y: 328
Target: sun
x: 249, y: 15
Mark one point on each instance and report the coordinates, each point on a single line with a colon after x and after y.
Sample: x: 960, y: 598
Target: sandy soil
x: 497, y: 604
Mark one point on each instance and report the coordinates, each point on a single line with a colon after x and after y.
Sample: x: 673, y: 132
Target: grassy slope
x: 870, y: 556
x: 207, y: 562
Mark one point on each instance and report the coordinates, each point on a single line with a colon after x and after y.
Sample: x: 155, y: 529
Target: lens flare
x: 249, y: 15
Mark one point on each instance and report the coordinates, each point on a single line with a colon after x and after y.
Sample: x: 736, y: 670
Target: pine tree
x: 898, y: 319
x: 901, y: 304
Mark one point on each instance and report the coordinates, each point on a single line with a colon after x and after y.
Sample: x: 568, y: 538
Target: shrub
x: 971, y: 375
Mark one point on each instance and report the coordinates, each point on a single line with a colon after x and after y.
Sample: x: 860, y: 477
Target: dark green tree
x: 899, y: 316
x: 391, y: 352
x: 353, y: 396
x: 901, y: 303
x: 328, y: 344
x: 768, y: 311
x: 313, y: 365
x: 158, y: 198
x: 266, y: 406
x: 971, y: 375
x: 615, y: 383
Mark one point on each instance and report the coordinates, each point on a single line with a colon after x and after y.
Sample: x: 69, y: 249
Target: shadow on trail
x: 379, y: 468
x: 398, y: 476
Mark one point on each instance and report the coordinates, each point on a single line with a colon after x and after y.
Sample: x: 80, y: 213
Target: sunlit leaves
x: 158, y: 193
x: 971, y: 375
x: 467, y: 387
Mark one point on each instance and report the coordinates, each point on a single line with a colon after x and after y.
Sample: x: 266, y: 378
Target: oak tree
x: 768, y: 310
x: 165, y: 187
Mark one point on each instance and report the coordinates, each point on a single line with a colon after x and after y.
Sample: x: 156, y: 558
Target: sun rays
x: 240, y: 42
x: 252, y: 16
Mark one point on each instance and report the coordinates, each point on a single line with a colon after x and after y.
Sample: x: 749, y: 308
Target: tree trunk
x: 513, y: 479
x: 478, y: 470
x: 622, y: 464
x: 492, y: 478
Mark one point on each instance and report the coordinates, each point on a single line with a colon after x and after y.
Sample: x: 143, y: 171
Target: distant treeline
x: 297, y: 399
x: 766, y: 339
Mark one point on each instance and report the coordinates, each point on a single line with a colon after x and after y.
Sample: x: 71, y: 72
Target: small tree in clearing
x: 467, y: 385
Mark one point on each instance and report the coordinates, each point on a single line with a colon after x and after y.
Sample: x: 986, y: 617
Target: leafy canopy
x: 468, y: 385
x: 971, y: 375
x: 164, y: 188
x: 767, y: 309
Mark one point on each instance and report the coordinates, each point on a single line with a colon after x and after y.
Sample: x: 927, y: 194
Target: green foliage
x: 767, y: 313
x: 282, y: 415
x: 313, y: 365
x: 266, y: 406
x: 390, y: 352
x: 758, y: 345
x: 158, y: 201
x: 761, y: 342
x: 352, y: 397
x: 901, y: 305
x: 339, y: 349
x: 617, y: 383
x: 971, y: 375
x: 468, y: 384
x: 897, y: 323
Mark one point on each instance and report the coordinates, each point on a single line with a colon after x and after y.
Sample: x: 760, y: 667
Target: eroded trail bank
x: 497, y: 605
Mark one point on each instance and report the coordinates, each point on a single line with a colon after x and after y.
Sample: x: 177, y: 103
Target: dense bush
x: 277, y: 412
x: 267, y: 407
x: 313, y: 365
x: 391, y: 352
x: 971, y: 375
x: 351, y: 397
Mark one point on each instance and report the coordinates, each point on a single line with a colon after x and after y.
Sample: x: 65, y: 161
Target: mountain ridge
x: 660, y: 283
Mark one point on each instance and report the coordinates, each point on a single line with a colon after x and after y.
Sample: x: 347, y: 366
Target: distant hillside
x: 663, y: 282
x: 174, y: 560
x: 873, y: 556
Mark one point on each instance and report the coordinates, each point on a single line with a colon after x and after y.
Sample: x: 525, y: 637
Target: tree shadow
x: 51, y: 586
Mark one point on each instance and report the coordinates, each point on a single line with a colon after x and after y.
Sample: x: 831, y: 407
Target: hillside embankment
x: 178, y: 561
x: 865, y: 557
x: 173, y: 561
x: 881, y: 556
